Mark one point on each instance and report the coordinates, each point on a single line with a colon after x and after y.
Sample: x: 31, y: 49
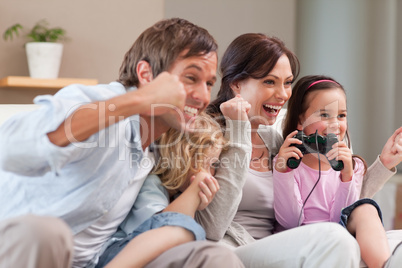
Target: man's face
x: 198, y: 75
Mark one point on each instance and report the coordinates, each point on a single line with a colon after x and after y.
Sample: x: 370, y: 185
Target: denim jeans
x: 156, y: 221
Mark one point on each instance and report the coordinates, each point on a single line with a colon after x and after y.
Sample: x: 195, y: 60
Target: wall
x: 226, y: 19
x: 100, y: 33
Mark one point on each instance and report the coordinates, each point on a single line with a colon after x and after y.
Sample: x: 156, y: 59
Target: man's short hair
x: 161, y: 44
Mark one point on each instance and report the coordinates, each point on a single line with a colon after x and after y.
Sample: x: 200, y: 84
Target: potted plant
x: 43, y: 52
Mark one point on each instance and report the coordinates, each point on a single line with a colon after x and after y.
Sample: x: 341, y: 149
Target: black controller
x: 309, y: 146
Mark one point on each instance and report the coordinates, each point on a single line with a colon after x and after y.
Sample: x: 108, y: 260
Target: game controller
x: 309, y: 146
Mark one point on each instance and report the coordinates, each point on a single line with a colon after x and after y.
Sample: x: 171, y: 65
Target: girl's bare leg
x: 365, y: 224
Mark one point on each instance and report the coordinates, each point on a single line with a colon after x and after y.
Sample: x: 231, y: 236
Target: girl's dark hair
x: 297, y: 104
x: 161, y: 44
x: 251, y: 55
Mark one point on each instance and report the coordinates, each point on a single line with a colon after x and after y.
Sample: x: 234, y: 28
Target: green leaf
x: 39, y: 33
x: 14, y: 29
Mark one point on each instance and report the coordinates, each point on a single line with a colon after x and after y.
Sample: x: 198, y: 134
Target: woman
x: 261, y: 70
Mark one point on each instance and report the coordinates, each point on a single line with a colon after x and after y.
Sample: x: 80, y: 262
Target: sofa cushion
x: 7, y: 110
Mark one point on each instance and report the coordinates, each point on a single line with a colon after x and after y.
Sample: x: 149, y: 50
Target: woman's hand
x: 236, y: 108
x: 208, y: 186
x: 341, y: 152
x: 391, y: 154
x: 287, y: 151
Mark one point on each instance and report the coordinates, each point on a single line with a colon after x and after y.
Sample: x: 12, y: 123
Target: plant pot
x: 44, y: 59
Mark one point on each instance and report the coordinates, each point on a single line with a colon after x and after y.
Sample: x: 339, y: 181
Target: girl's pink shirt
x: 326, y: 201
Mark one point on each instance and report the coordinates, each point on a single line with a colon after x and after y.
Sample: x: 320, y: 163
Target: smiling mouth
x: 271, y: 109
x: 190, y: 111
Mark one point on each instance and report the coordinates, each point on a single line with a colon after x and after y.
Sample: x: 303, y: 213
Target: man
x: 77, y: 159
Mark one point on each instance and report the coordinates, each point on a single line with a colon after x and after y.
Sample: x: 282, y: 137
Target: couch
x: 7, y: 110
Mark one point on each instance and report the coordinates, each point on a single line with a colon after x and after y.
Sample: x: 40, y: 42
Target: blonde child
x: 314, y: 191
x: 181, y: 183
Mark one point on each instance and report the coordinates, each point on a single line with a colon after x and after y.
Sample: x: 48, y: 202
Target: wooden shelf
x: 36, y: 83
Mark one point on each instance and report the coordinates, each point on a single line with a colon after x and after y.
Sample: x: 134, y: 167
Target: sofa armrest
x: 7, y: 110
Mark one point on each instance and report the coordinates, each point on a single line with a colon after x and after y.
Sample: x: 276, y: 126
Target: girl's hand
x: 208, y: 187
x: 236, y: 108
x: 391, y: 154
x: 340, y: 151
x: 287, y: 151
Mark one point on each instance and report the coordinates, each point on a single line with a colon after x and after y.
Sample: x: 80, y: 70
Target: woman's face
x: 267, y: 95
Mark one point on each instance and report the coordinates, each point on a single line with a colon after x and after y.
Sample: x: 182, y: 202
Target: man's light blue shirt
x: 78, y: 183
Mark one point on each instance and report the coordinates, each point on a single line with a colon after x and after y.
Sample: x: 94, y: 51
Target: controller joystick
x: 309, y: 145
x: 331, y: 140
x: 292, y: 161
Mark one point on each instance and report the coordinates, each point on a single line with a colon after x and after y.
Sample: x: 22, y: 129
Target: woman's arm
x: 384, y: 166
x: 231, y: 174
x: 375, y: 178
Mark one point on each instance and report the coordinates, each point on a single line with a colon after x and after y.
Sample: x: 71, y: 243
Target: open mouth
x: 272, y: 109
x: 190, y: 111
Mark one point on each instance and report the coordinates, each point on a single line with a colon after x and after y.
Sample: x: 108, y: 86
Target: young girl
x: 183, y: 177
x: 314, y: 192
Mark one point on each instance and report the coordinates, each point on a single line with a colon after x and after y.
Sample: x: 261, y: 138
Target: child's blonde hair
x: 181, y: 153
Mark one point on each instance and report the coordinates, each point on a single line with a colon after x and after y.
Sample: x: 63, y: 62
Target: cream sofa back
x: 7, y: 110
